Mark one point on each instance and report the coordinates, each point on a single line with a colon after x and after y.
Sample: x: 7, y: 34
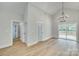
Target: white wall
x: 30, y: 15
x: 36, y: 16
x: 9, y: 11
x: 54, y: 27
x: 73, y: 18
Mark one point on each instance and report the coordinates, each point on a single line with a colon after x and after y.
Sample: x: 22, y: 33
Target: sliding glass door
x: 62, y: 31
x: 67, y: 31
x: 71, y: 31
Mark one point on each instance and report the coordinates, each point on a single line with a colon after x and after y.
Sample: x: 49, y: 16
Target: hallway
x: 51, y: 47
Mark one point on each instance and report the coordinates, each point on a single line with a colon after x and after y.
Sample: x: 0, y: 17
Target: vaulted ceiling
x: 53, y: 7
x: 72, y: 5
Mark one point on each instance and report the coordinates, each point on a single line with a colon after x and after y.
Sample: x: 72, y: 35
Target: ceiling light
x: 63, y: 17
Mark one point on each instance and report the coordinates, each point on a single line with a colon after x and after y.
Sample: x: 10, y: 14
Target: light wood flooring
x: 51, y: 47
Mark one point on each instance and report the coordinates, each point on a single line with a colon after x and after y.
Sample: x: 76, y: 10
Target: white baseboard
x: 47, y: 38
x: 30, y: 44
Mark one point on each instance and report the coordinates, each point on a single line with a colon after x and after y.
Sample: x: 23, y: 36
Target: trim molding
x: 30, y: 44
x: 50, y: 37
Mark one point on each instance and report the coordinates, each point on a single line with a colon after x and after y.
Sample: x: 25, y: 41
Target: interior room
x: 39, y: 29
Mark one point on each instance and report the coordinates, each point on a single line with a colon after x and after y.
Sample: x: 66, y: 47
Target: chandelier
x: 63, y: 16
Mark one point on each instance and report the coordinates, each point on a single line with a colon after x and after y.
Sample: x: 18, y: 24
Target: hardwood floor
x: 51, y: 47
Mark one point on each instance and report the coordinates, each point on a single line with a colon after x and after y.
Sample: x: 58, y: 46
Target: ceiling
x: 72, y: 5
x: 53, y: 7
x: 49, y: 7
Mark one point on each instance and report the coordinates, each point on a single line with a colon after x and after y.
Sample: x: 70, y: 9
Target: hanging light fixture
x: 63, y: 16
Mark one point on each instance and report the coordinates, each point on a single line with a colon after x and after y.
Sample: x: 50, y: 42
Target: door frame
x: 21, y: 29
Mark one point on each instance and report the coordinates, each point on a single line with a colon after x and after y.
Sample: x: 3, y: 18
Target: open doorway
x: 68, y: 31
x: 17, y: 31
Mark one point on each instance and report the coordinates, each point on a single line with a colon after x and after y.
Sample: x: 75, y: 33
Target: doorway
x: 40, y: 31
x: 68, y: 31
x: 17, y: 31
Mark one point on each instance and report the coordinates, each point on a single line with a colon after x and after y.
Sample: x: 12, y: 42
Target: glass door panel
x: 71, y: 31
x: 62, y: 31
